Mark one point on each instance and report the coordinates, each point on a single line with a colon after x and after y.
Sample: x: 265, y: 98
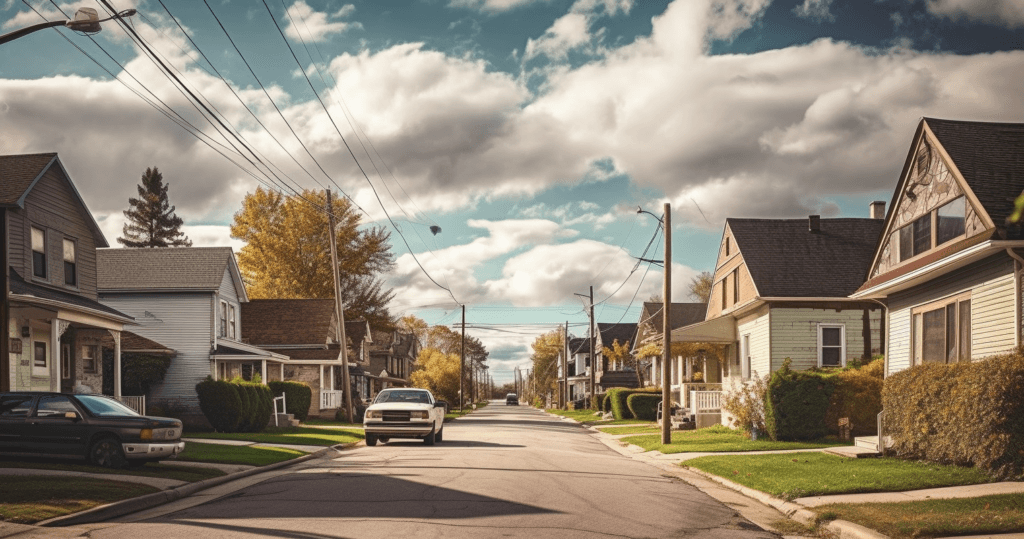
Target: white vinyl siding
x: 229, y: 295
x: 760, y: 350
x: 993, y: 314
x: 795, y: 334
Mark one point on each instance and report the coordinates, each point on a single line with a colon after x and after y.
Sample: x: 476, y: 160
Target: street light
x: 86, y: 21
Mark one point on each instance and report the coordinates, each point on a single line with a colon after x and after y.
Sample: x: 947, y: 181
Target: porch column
x: 263, y: 371
x: 332, y: 378
x: 321, y: 377
x: 282, y: 372
x: 213, y: 367
x: 117, y: 361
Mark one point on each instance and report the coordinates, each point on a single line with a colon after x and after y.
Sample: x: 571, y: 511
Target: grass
x: 719, y: 439
x: 583, y: 416
x: 315, y: 421
x: 455, y: 413
x: 646, y: 429
x: 605, y: 422
x: 289, y: 435
x: 30, y: 499
x: 796, y: 475
x: 1001, y: 513
x: 166, y: 471
x: 253, y: 455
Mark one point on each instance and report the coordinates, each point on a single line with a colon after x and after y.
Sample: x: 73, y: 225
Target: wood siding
x: 993, y: 309
x: 228, y: 293
x: 757, y: 325
x: 723, y: 284
x: 179, y: 321
x: 794, y: 333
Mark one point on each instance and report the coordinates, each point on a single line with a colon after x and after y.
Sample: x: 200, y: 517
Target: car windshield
x: 421, y: 397
x: 104, y: 406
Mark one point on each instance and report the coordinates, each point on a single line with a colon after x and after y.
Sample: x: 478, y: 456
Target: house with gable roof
x: 392, y: 359
x: 681, y: 369
x: 577, y: 369
x: 948, y: 264
x: 611, y: 373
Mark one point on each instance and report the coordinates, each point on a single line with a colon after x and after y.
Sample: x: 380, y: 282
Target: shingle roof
x: 17, y: 172
x: 991, y: 158
x: 785, y: 259
x: 131, y: 342
x: 287, y: 321
x: 625, y: 331
x: 22, y: 288
x: 355, y: 331
x: 683, y: 314
x: 171, y: 268
x: 579, y: 345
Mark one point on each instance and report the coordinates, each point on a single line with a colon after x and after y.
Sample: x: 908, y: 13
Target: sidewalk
x: 946, y: 493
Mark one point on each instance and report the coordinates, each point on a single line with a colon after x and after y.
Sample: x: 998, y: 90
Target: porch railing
x: 135, y: 403
x: 706, y: 402
x: 330, y: 399
x: 691, y: 387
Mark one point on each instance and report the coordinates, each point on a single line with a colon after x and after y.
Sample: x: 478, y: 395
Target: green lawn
x: 719, y: 438
x: 1002, y: 513
x: 314, y: 421
x: 291, y: 435
x: 645, y: 429
x: 583, y: 416
x: 30, y: 499
x: 796, y: 475
x: 253, y: 455
x: 166, y: 471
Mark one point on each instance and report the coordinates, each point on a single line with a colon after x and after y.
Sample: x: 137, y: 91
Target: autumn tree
x: 622, y: 354
x: 287, y: 253
x: 700, y: 285
x: 446, y: 342
x: 547, y: 352
x: 439, y: 373
x: 151, y: 218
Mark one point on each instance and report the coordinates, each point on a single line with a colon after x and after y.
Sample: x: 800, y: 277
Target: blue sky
x: 528, y: 130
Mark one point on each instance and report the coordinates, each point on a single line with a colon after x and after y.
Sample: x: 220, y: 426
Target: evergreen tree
x: 151, y: 219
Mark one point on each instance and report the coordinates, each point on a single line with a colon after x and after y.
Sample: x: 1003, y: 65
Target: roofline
x: 127, y: 320
x: 152, y: 290
x: 91, y: 221
x: 244, y: 297
x: 290, y: 346
x: 245, y: 357
x: 147, y: 351
x: 823, y: 298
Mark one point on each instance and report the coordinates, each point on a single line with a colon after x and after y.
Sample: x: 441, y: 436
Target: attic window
x: 951, y: 221
x: 934, y: 228
x: 726, y: 246
x: 38, y: 253
x: 70, y: 268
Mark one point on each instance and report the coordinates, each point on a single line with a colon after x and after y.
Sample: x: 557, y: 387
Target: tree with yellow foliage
x: 438, y: 372
x: 547, y: 350
x: 622, y: 354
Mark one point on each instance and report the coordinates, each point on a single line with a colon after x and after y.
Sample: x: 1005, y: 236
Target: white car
x: 404, y: 413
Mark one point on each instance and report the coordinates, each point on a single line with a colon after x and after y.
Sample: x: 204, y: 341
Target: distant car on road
x: 404, y: 413
x: 511, y: 399
x: 96, y: 427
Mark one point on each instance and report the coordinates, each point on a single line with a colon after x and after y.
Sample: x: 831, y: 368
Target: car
x: 95, y: 427
x: 404, y: 413
x: 511, y: 399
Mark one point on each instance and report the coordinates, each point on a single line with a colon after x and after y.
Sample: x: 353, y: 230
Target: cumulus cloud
x: 572, y: 214
x: 493, y: 6
x: 572, y: 30
x: 1008, y: 13
x: 305, y: 23
x: 816, y: 10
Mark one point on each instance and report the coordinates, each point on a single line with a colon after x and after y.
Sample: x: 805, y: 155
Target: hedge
x: 644, y: 406
x: 606, y: 403
x: 596, y: 400
x: 964, y: 413
x: 858, y: 396
x: 297, y: 397
x: 618, y: 395
x: 797, y: 403
x: 235, y: 406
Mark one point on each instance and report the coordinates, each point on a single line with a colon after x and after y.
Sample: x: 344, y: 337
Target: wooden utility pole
x: 5, y: 307
x: 564, y: 395
x: 666, y: 328
x: 593, y: 353
x: 346, y: 381
x: 462, y: 361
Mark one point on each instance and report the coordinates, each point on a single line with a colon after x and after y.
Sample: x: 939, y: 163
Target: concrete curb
x: 134, y: 505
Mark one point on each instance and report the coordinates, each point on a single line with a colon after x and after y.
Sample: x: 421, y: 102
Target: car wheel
x: 371, y: 440
x: 107, y: 452
x: 429, y: 438
x: 384, y: 439
x: 440, y: 434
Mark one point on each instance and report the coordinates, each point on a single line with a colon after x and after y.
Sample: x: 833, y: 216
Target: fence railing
x: 330, y: 399
x: 135, y: 403
x: 706, y: 401
x: 691, y: 387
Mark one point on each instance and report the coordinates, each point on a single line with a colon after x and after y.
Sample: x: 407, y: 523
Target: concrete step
x: 870, y: 442
x: 853, y: 452
x: 284, y: 420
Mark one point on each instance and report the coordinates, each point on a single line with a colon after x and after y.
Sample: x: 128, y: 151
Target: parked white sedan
x: 404, y: 413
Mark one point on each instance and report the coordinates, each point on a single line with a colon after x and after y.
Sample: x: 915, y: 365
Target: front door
x: 52, y: 432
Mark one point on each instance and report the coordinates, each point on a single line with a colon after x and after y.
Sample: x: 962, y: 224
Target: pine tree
x: 151, y: 219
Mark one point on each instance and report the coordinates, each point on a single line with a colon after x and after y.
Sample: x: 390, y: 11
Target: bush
x: 797, y: 403
x: 297, y: 397
x: 858, y: 396
x: 606, y: 403
x: 644, y: 406
x: 595, y: 401
x: 264, y: 407
x: 964, y: 413
x: 619, y: 406
x: 746, y: 404
x: 221, y: 404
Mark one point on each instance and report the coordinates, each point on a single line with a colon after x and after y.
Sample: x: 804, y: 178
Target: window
x: 223, y: 319
x: 725, y: 292
x: 70, y: 270
x: 38, y: 253
x: 916, y: 237
x: 89, y: 363
x: 745, y: 358
x: 65, y: 361
x: 726, y: 246
x: 831, y: 345
x: 231, y: 321
x: 15, y: 405
x: 735, y: 286
x: 951, y: 221
x: 39, y: 355
x: 55, y: 406
x: 942, y: 331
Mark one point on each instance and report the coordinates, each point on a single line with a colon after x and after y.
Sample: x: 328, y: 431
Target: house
x: 781, y: 291
x: 612, y: 373
x: 392, y: 358
x: 189, y: 299
x: 578, y: 369
x: 649, y: 331
x: 306, y: 330
x: 57, y: 326
x: 948, y: 264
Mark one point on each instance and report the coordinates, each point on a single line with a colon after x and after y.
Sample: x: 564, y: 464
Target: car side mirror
x: 440, y: 404
x: 71, y: 415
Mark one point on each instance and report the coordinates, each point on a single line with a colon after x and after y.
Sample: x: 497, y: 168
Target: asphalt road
x: 502, y: 471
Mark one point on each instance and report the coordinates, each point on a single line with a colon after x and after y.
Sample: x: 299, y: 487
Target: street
x: 502, y: 471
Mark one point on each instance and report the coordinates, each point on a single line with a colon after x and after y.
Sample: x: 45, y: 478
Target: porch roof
x: 240, y: 351
x: 721, y: 330
x: 33, y: 293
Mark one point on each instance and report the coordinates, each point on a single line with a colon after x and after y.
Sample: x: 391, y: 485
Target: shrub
x: 746, y: 404
x: 964, y: 413
x: 858, y: 396
x: 618, y: 396
x: 297, y: 397
x: 606, y: 403
x: 249, y: 406
x: 644, y: 406
x: 595, y: 401
x: 264, y: 406
x: 797, y: 403
x: 221, y: 404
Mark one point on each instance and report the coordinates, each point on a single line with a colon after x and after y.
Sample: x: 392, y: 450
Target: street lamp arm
x: 640, y: 210
x: 85, y: 21
x: 28, y: 30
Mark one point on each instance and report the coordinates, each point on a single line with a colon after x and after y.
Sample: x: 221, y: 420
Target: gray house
x: 188, y: 299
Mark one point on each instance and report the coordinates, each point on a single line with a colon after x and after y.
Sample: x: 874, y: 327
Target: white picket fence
x: 135, y: 403
x: 330, y: 399
x: 705, y: 402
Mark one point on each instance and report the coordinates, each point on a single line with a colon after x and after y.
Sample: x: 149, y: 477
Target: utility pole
x: 564, y: 394
x: 5, y: 307
x: 462, y: 361
x: 593, y: 353
x: 346, y: 382
x: 666, y: 319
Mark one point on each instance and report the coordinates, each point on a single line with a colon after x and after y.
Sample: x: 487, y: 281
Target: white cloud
x: 306, y: 23
x: 572, y: 30
x: 1008, y: 13
x: 572, y: 214
x: 493, y: 6
x: 816, y: 10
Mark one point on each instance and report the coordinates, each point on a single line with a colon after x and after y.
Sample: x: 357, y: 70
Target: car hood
x: 400, y: 406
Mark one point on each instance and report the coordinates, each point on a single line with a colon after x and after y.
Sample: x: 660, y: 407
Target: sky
x: 529, y: 131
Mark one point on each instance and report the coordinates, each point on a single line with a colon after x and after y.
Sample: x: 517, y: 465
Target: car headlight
x: 419, y: 414
x: 373, y: 414
x: 159, y: 434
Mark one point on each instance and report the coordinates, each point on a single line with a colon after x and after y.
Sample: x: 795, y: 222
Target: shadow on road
x: 256, y: 531
x: 453, y: 443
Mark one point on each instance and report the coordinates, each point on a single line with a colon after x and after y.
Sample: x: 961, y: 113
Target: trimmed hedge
x: 297, y: 397
x: 797, y: 403
x: 595, y: 401
x: 644, y: 406
x: 606, y: 403
x: 618, y: 395
x: 858, y: 396
x: 235, y: 406
x: 964, y: 413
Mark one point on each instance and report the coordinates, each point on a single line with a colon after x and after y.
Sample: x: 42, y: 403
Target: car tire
x: 371, y: 440
x: 430, y: 438
x: 384, y: 439
x: 439, y: 436
x: 107, y: 452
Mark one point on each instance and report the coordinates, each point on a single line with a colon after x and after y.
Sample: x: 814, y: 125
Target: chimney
x: 878, y: 209
x: 814, y: 223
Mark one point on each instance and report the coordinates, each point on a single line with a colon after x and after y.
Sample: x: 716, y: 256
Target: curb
x: 134, y: 505
x: 844, y: 528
